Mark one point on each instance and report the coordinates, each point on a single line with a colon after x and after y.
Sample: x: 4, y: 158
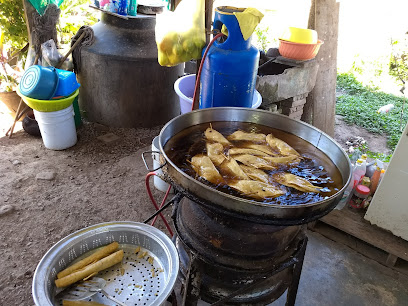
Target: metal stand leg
x: 297, y: 269
x: 192, y: 283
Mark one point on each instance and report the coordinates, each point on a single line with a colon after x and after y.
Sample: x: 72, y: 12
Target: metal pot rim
x: 251, y: 202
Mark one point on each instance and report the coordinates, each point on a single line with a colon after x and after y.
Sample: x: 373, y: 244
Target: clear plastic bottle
x: 358, y: 173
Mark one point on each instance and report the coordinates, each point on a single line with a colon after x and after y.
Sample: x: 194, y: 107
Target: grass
x: 359, y: 104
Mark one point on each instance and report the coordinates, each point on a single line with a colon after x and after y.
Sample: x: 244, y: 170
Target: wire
x: 201, y: 67
x: 149, y: 192
x: 162, y: 203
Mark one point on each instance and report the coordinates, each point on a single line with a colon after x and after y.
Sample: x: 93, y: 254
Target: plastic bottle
x: 385, y: 109
x: 382, y: 175
x: 359, y: 172
x: 375, y: 179
x: 123, y: 7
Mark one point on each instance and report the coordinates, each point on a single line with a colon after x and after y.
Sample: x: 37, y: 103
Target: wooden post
x: 320, y: 107
x: 208, y: 19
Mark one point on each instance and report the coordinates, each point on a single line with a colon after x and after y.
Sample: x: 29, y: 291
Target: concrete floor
x: 334, y: 274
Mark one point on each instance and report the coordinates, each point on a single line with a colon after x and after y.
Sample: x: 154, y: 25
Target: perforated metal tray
x: 143, y: 278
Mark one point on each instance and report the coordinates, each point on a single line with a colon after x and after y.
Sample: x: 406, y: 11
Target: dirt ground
x: 90, y: 183
x: 94, y: 182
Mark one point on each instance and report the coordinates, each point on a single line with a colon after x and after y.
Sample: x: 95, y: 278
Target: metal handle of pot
x: 144, y: 160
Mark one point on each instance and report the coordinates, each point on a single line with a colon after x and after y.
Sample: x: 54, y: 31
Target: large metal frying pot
x: 248, y: 209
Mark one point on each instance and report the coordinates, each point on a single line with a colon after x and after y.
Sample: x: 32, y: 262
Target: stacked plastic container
x: 50, y: 92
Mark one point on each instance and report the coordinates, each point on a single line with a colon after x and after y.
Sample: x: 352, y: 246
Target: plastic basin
x: 299, y: 35
x: 39, y: 82
x: 297, y: 51
x: 67, y: 83
x: 48, y: 105
x: 184, y: 87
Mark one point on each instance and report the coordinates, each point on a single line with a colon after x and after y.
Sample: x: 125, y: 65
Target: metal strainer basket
x: 145, y: 277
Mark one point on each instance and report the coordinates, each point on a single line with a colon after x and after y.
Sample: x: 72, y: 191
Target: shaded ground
x: 94, y: 182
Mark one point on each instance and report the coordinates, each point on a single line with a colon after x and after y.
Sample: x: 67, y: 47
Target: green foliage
x: 262, y: 41
x: 359, y: 106
x: 399, y: 60
x: 74, y: 14
x: 363, y: 149
x: 372, y: 72
x: 12, y: 24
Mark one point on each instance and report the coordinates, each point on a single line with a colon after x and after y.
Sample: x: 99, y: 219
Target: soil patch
x: 343, y: 132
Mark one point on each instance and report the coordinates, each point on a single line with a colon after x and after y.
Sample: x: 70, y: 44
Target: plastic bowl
x: 67, y: 83
x: 297, y: 51
x: 299, y: 35
x: 48, y: 105
x: 184, y: 87
x: 39, y: 82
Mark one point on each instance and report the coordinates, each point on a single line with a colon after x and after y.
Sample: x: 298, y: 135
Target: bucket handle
x: 144, y: 160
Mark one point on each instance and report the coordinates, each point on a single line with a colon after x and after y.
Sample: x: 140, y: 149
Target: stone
x: 5, y: 209
x: 300, y: 97
x: 300, y: 102
x: 296, y: 114
x: 109, y: 138
x: 16, y: 162
x: 46, y: 176
x: 293, y: 82
x: 101, y: 127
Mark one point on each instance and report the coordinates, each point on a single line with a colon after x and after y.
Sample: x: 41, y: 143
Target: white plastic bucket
x: 57, y: 128
x: 184, y: 87
x: 158, y: 182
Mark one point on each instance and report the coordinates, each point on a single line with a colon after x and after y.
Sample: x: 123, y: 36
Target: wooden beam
x: 321, y: 103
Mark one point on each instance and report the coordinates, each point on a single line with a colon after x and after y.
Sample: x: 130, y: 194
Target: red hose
x: 201, y: 67
x: 162, y: 203
x: 149, y: 192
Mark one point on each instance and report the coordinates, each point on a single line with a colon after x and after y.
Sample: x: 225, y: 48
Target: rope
x: 87, y: 40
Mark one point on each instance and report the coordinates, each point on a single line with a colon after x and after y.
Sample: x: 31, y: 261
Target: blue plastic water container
x: 229, y: 71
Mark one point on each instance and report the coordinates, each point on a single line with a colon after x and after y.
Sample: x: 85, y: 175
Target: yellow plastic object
x: 48, y: 105
x: 248, y: 19
x: 180, y: 35
x: 300, y: 36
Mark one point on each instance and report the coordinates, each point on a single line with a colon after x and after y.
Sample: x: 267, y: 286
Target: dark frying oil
x: 315, y: 166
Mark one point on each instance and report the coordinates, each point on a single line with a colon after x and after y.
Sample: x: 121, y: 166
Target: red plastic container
x: 359, y: 196
x: 297, y: 51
